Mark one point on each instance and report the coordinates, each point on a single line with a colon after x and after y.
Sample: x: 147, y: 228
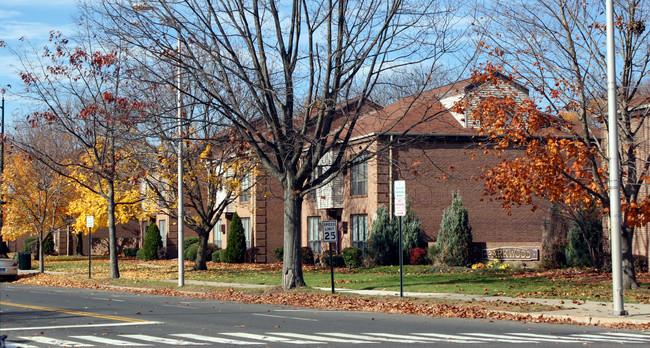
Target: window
x: 246, y: 222
x: 360, y: 231
x: 217, y: 235
x: 359, y: 177
x: 313, y: 231
x: 162, y: 227
x: 245, y: 186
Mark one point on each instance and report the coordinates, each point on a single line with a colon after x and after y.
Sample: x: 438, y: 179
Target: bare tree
x: 292, y: 78
x: 81, y: 90
x: 558, y: 47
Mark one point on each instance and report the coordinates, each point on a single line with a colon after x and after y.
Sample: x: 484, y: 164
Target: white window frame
x: 163, y: 227
x: 359, y: 177
x: 246, y: 223
x: 359, y: 227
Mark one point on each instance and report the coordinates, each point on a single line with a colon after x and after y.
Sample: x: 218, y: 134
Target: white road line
x: 314, y: 337
x: 54, y: 341
x: 284, y: 317
x: 546, y: 338
x: 19, y: 345
x: 627, y: 334
x: 170, y: 341
x: 106, y: 299
x: 405, y: 337
x: 78, y: 326
x: 179, y: 306
x: 501, y: 338
x: 455, y: 338
x: 270, y: 338
x: 599, y: 338
x: 370, y: 338
x: 216, y: 339
x: 109, y: 341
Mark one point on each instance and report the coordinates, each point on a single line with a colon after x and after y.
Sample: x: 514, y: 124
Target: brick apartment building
x: 436, y: 157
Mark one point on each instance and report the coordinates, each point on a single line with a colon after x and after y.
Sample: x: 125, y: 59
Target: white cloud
x: 4, y: 14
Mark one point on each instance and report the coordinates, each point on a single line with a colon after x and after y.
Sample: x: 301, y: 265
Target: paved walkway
x: 588, y: 312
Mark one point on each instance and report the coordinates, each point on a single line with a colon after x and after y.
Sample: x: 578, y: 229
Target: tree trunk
x: 629, y: 277
x: 41, y: 267
x: 201, y: 251
x: 79, y: 250
x: 112, y: 237
x: 292, y: 263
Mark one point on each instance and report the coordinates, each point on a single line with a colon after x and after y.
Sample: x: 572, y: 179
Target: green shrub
x: 554, y: 234
x: 48, y: 245
x: 383, y: 242
x: 27, y: 244
x: 189, y: 241
x: 236, y: 242
x: 152, y: 242
x: 584, y: 245
x: 279, y: 253
x: 337, y: 260
x: 130, y: 252
x: 455, y: 236
x: 411, y: 232
x: 216, y: 255
x: 353, y: 257
x: 640, y: 263
x: 138, y: 254
x: 307, y: 256
x: 190, y: 251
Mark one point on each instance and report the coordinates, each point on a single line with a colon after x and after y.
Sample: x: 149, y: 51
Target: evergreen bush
x: 337, y: 260
x: 216, y: 256
x: 383, y: 239
x: 191, y: 251
x: 236, y: 242
x: 455, y: 236
x: 48, y: 245
x: 152, y: 242
x: 353, y: 257
x: 411, y: 232
x: 189, y: 241
x: 279, y: 253
x: 584, y: 246
x: 130, y: 252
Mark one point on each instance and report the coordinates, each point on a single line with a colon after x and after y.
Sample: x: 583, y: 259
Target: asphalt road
x: 51, y: 317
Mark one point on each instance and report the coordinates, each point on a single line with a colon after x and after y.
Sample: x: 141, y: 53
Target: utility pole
x: 614, y: 176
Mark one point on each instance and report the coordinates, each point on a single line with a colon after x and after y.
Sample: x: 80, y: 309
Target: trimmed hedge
x: 352, y: 256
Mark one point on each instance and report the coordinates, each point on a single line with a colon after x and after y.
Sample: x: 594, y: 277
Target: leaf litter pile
x: 475, y: 309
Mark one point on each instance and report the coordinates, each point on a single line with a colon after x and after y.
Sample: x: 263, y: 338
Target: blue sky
x: 33, y: 20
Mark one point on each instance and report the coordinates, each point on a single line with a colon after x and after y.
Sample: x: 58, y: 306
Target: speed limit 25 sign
x: 329, y: 231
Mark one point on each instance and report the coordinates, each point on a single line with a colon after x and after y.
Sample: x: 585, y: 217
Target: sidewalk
x: 587, y: 312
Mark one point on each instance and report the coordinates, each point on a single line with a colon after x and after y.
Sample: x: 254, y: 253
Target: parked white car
x: 8, y: 269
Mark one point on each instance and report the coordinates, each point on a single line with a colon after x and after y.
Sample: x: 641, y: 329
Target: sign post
x: 330, y: 236
x: 399, y: 189
x: 90, y: 223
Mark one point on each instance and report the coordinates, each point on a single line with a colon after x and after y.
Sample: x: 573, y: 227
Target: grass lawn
x: 569, y: 284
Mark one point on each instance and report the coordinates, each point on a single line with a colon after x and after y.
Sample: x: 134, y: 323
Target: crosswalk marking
x: 314, y: 337
x: 163, y: 340
x: 600, y: 338
x: 109, y: 341
x: 426, y: 339
x: 369, y: 338
x: 548, y: 338
x: 216, y: 339
x: 54, y: 341
x: 323, y: 338
x: 455, y: 338
x: 270, y: 338
x: 501, y: 337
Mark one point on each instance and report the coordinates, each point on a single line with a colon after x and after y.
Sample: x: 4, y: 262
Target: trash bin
x: 24, y: 260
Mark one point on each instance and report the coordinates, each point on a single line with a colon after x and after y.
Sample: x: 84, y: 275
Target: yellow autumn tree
x: 36, y: 199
